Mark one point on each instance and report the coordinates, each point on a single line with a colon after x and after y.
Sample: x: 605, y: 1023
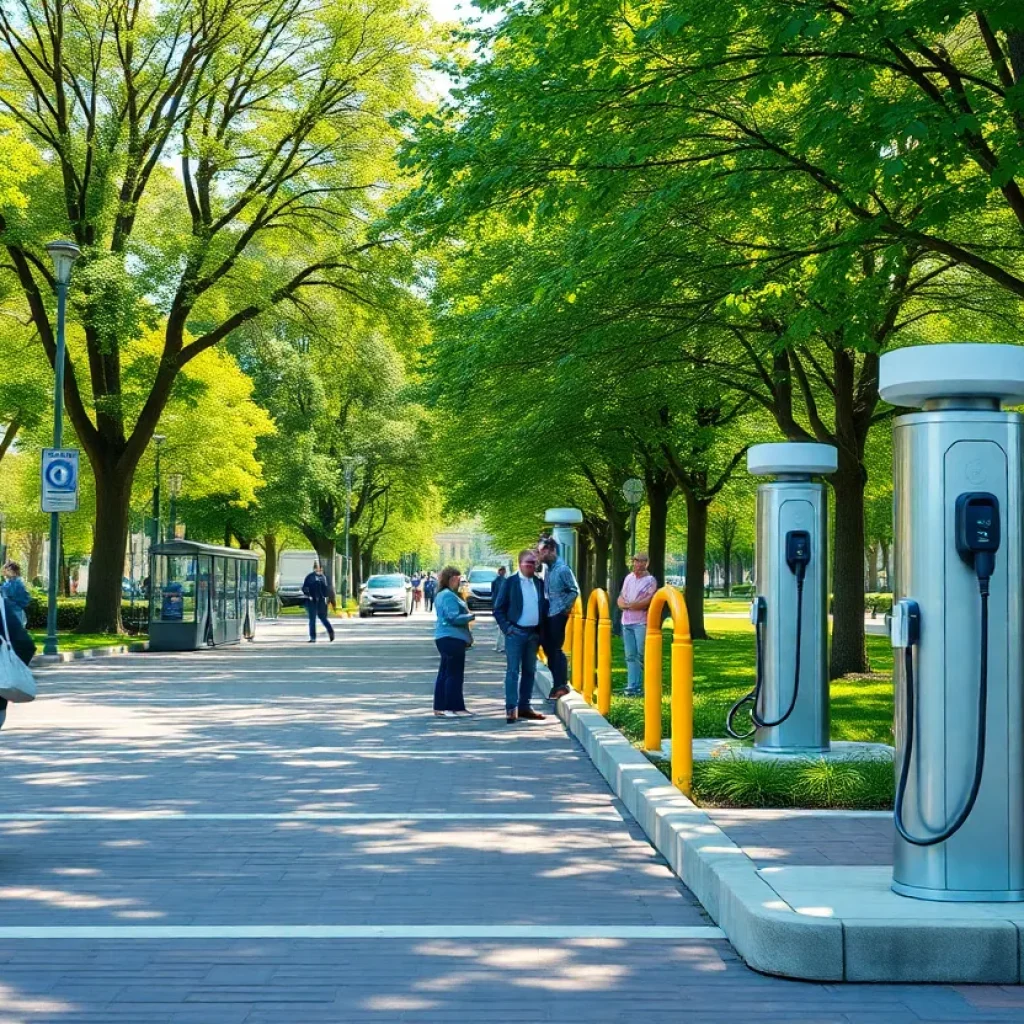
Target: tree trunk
x: 270, y: 552
x: 64, y: 576
x: 885, y: 564
x: 325, y: 549
x: 583, y: 565
x: 849, y: 653
x: 696, y: 563
x: 106, y: 569
x: 658, y: 492
x: 872, y: 574
x: 365, y: 565
x: 617, y: 570
x: 601, y: 540
x: 227, y: 535
x: 35, y: 556
x: 356, y: 544
x: 727, y: 567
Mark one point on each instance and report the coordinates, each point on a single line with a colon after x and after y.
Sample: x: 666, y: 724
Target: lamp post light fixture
x: 173, y: 489
x: 63, y: 254
x: 158, y: 440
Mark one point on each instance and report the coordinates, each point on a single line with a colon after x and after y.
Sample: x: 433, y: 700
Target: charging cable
x: 977, y: 540
x: 798, y: 557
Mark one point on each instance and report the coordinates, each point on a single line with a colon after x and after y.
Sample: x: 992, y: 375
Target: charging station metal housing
x: 793, y: 501
x: 961, y: 442
x: 564, y: 522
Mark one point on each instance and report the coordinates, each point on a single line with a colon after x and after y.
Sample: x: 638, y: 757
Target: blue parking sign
x: 60, y: 479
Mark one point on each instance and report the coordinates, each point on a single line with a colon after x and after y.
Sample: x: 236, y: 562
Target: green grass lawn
x: 723, y: 671
x: 84, y: 641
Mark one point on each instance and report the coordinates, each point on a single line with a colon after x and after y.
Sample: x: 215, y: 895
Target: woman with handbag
x: 14, y: 589
x: 452, y: 637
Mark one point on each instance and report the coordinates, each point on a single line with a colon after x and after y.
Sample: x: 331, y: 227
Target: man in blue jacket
x: 520, y: 610
x: 318, y: 592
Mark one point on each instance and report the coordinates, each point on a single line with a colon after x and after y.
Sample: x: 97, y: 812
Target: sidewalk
x: 281, y: 832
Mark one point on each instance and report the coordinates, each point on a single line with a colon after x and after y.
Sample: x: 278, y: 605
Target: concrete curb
x: 44, y: 660
x: 762, y: 926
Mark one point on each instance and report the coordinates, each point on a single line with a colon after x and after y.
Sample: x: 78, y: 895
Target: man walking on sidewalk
x: 318, y: 592
x: 520, y: 610
x: 562, y: 590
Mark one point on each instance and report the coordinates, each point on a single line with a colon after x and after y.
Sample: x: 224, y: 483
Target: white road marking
x: 229, y: 752
x: 175, y: 815
x: 360, y: 931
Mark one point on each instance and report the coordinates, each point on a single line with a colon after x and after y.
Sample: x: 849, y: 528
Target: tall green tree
x: 276, y: 117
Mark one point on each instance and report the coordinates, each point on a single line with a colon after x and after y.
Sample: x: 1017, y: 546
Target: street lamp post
x: 350, y: 465
x: 159, y: 440
x: 174, y: 489
x: 63, y: 255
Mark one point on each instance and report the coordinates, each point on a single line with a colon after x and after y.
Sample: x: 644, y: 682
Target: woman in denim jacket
x: 15, y: 591
x: 452, y: 637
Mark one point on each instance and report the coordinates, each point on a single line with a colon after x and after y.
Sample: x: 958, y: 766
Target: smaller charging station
x: 957, y: 621
x: 788, y: 708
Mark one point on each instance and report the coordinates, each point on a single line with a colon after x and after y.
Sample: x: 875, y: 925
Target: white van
x: 292, y: 568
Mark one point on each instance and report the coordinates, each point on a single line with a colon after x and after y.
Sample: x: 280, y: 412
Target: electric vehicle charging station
x: 789, y: 705
x: 957, y: 621
x: 564, y: 522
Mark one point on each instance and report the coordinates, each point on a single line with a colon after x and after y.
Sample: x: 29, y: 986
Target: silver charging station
x: 957, y: 621
x: 789, y: 705
x: 563, y: 522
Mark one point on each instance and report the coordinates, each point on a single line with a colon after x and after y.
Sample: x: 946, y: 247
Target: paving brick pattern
x: 772, y: 838
x: 283, y: 727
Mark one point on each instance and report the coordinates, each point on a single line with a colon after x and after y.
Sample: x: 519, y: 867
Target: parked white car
x: 390, y: 592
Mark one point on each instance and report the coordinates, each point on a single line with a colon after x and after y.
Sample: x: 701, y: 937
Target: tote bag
x: 17, y: 684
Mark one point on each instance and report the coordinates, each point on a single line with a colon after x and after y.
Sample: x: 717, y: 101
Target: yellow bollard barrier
x: 598, y: 627
x: 575, y: 624
x: 682, y: 685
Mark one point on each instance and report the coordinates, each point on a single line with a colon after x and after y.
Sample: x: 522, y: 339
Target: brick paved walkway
x: 284, y: 833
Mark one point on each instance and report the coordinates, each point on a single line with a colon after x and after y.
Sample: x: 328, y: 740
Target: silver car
x: 391, y: 592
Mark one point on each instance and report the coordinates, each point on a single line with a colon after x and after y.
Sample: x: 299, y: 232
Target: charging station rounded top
x: 792, y: 457
x: 563, y: 516
x: 912, y: 376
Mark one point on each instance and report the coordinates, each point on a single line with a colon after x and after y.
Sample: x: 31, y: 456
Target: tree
x: 276, y: 113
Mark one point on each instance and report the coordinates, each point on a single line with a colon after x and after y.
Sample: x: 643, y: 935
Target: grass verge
x: 85, y: 641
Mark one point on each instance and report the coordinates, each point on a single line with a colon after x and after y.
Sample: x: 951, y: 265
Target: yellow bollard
x: 597, y: 640
x: 576, y: 624
x: 682, y: 685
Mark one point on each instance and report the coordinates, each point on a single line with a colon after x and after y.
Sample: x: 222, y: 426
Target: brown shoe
x: 511, y: 716
x: 530, y: 715
x: 560, y: 691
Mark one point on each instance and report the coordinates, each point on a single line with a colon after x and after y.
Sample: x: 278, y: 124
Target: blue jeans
x: 450, y: 675
x: 318, y: 610
x: 633, y: 639
x: 521, y: 667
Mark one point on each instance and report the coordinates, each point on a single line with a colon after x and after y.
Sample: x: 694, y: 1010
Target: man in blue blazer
x: 520, y: 611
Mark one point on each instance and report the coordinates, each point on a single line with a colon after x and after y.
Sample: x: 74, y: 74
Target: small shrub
x: 70, y: 611
x: 742, y: 783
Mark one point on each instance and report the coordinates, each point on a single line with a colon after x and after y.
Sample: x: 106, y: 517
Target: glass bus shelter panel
x: 173, y: 589
x: 203, y: 587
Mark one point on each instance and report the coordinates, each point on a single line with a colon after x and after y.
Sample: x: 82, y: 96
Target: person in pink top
x: 638, y: 589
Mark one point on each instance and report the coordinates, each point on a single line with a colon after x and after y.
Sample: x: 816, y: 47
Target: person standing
x: 562, y: 590
x: 496, y: 584
x: 318, y: 592
x: 22, y: 644
x: 429, y: 591
x: 638, y: 590
x: 520, y: 611
x: 452, y: 638
x: 15, y: 591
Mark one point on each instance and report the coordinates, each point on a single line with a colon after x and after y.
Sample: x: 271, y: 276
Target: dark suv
x: 478, y: 588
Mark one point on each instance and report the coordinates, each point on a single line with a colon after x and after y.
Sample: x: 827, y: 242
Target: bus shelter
x: 200, y: 595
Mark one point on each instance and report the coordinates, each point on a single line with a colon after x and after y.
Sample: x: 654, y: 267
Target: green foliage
x: 866, y: 784
x: 69, y: 612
